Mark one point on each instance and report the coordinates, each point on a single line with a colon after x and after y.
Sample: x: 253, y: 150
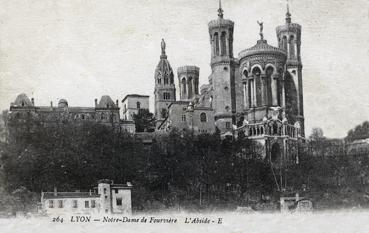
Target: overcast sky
x: 80, y: 49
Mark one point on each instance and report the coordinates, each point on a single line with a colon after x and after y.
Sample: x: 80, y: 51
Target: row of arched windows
x: 260, y: 90
x: 288, y: 44
x: 189, y: 87
x: 220, y: 48
x: 166, y: 80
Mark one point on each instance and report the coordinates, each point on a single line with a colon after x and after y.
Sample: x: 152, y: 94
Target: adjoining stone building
x: 105, y: 112
x: 106, y: 198
x: 259, y: 94
x: 132, y: 103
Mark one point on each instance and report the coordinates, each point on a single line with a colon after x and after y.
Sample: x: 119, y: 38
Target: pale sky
x: 80, y: 49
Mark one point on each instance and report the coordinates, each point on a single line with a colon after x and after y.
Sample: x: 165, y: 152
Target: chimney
x: 95, y: 103
x: 55, y: 191
x: 51, y: 103
x: 33, y: 101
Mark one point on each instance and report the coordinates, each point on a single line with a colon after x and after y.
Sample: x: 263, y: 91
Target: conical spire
x: 288, y: 14
x: 220, y: 10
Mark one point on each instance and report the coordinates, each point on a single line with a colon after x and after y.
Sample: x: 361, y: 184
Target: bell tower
x: 289, y: 39
x: 224, y: 84
x: 165, y: 91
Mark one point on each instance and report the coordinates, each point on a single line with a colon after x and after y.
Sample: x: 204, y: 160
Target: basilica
x: 257, y: 94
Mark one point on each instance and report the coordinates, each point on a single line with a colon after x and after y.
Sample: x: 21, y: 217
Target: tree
x: 316, y: 134
x: 144, y: 121
x: 359, y: 132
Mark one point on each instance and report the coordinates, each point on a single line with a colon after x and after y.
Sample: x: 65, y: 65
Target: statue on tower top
x: 162, y: 47
x: 261, y: 25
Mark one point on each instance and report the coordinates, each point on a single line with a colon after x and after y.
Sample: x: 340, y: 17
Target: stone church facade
x: 258, y: 94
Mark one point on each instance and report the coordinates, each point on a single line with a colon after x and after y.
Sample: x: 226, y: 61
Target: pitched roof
x: 136, y: 96
x: 22, y: 100
x: 106, y: 102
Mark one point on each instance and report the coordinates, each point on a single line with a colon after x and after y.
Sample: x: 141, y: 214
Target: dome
x: 22, y: 100
x: 220, y: 23
x: 106, y: 102
x: 62, y: 103
x: 262, y: 47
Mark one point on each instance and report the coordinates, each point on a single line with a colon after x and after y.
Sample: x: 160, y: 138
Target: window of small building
x: 116, y: 191
x: 228, y: 125
x: 60, y: 203
x: 82, y: 116
x: 166, y: 95
x: 93, y: 204
x: 203, y: 117
x: 138, y: 105
x: 104, y: 190
x: 75, y: 204
x: 51, y: 204
x: 183, y: 117
x: 87, y: 204
x: 119, y: 201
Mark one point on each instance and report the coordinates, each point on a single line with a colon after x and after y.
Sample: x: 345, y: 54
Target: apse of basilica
x: 258, y: 94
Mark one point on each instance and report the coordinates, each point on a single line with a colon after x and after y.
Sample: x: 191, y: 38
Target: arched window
x: 269, y: 72
x: 256, y: 71
x: 184, y: 88
x: 196, y: 81
x: 190, y: 87
x: 216, y: 41
x: 223, y: 44
x: 171, y: 80
x: 138, y: 105
x: 159, y: 80
x: 166, y: 80
x: 292, y: 46
x: 245, y: 73
x: 257, y: 91
x: 284, y: 43
x: 203, y: 117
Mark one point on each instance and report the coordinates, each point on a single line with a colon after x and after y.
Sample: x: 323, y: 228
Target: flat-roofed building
x: 107, y: 198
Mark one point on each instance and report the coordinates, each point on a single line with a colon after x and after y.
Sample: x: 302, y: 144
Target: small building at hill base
x: 106, y: 198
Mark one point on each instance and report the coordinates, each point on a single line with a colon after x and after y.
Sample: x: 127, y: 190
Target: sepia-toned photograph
x: 232, y: 116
